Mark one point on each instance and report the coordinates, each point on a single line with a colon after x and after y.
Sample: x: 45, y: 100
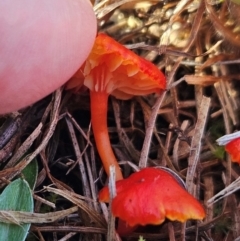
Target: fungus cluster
x: 150, y: 195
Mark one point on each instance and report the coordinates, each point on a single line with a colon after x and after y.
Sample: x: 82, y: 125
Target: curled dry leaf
x: 204, y: 80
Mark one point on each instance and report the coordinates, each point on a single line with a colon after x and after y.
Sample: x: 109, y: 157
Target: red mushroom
x: 233, y: 148
x: 151, y: 195
x: 232, y: 145
x: 113, y: 69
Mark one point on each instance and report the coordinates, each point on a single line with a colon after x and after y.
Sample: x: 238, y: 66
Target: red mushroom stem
x: 99, y: 102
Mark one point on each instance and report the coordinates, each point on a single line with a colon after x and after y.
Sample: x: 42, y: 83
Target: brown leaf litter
x: 196, y: 44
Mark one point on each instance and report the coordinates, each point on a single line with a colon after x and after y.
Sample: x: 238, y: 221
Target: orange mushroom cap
x: 233, y: 148
x: 151, y: 195
x: 232, y: 145
x: 113, y: 68
x: 76, y: 82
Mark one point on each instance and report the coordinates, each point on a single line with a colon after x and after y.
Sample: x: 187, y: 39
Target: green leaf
x: 17, y: 196
x: 30, y: 173
x: 219, y: 152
